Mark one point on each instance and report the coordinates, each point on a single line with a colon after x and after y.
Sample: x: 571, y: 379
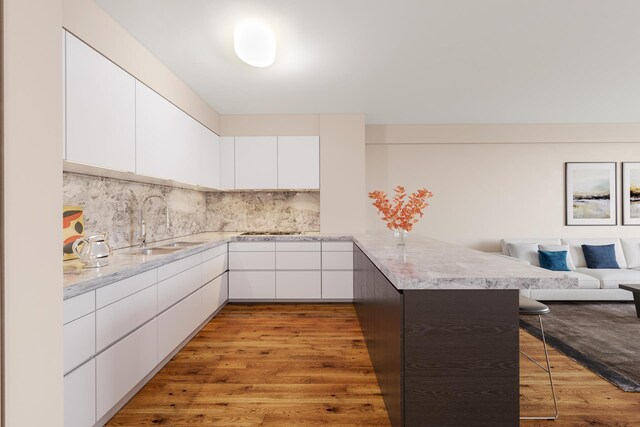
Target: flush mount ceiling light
x: 255, y: 43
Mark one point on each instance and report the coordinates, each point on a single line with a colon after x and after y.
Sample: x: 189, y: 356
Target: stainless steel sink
x: 154, y: 251
x: 181, y: 244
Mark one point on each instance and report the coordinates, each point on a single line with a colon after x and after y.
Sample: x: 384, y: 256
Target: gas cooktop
x: 269, y: 233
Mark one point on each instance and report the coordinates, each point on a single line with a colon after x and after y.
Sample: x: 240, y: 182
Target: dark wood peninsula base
x: 442, y: 357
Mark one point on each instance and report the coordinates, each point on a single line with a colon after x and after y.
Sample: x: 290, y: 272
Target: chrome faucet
x: 143, y: 225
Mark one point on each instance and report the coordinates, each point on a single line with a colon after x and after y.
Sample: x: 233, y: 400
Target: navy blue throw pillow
x: 600, y: 256
x: 554, y: 261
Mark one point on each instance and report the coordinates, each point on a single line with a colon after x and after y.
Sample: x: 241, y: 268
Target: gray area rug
x: 603, y: 337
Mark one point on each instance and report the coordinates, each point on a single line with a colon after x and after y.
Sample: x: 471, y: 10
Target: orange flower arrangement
x: 402, y: 213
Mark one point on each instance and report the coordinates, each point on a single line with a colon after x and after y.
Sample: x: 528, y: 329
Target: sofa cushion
x: 611, y: 278
x: 631, y: 249
x: 585, y: 281
x: 577, y: 256
x: 536, y: 240
x: 525, y: 252
x: 600, y: 256
x: 558, y: 248
x: 554, y: 260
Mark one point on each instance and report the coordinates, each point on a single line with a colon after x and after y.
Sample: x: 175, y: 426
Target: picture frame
x: 631, y: 193
x: 591, y: 193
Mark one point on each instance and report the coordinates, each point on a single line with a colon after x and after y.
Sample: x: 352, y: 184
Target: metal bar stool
x: 531, y: 307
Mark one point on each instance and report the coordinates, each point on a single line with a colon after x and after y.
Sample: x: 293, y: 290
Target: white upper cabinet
x: 156, y: 133
x: 299, y: 162
x: 168, y: 141
x: 209, y: 158
x: 227, y: 163
x: 100, y: 109
x: 256, y: 162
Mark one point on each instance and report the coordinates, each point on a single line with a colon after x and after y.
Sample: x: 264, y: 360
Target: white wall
x: 488, y: 190
x: 32, y: 185
x: 88, y: 21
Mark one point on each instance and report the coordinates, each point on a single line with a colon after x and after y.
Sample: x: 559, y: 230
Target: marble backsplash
x: 264, y: 211
x: 113, y: 206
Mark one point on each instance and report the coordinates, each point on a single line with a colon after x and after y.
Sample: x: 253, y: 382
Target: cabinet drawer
x: 79, y: 306
x: 118, y: 319
x: 252, y: 260
x: 179, y: 266
x: 252, y: 246
x: 175, y: 288
x: 214, y: 252
x: 214, y: 294
x: 213, y: 268
x: 337, y: 285
x: 298, y: 260
x: 252, y: 285
x: 124, y: 365
x: 337, y: 260
x: 298, y: 285
x: 298, y: 246
x: 79, y: 341
x: 343, y: 246
x: 80, y: 396
x: 175, y: 324
x: 116, y: 291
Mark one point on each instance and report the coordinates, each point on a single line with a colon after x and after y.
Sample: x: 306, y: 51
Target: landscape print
x: 591, y: 193
x: 631, y: 193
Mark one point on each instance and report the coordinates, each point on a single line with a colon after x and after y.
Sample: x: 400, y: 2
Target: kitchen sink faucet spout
x: 143, y: 224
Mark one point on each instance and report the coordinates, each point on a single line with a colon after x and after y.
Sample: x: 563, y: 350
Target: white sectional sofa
x: 593, y: 284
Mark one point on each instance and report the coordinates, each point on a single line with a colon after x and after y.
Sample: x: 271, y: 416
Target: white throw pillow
x: 559, y: 248
x: 524, y: 251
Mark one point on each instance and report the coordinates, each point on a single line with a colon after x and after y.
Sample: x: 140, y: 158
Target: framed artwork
x: 72, y: 229
x: 631, y: 193
x: 591, y: 193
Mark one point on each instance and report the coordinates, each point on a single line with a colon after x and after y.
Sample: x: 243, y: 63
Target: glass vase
x: 401, y: 236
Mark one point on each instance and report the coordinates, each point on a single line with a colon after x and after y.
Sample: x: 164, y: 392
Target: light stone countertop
x: 421, y: 264
x: 123, y: 263
x: 431, y: 264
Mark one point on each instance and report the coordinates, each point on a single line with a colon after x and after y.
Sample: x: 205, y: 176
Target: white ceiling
x: 407, y: 61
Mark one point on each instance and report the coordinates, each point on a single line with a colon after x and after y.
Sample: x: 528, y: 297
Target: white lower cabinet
x: 289, y: 270
x: 252, y: 285
x: 124, y: 365
x: 174, y: 288
x: 337, y: 260
x: 80, y: 396
x: 79, y: 341
x: 214, y: 294
x: 252, y: 260
x: 298, y: 260
x: 337, y: 284
x: 214, y: 267
x: 118, y: 319
x: 175, y: 324
x: 298, y: 285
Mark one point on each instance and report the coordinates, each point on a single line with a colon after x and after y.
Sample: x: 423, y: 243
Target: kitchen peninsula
x: 440, y: 321
x: 441, y: 326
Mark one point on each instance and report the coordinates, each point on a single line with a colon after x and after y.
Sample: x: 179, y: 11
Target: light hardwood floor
x: 307, y: 364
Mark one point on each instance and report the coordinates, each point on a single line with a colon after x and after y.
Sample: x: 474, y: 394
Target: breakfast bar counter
x: 441, y: 326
